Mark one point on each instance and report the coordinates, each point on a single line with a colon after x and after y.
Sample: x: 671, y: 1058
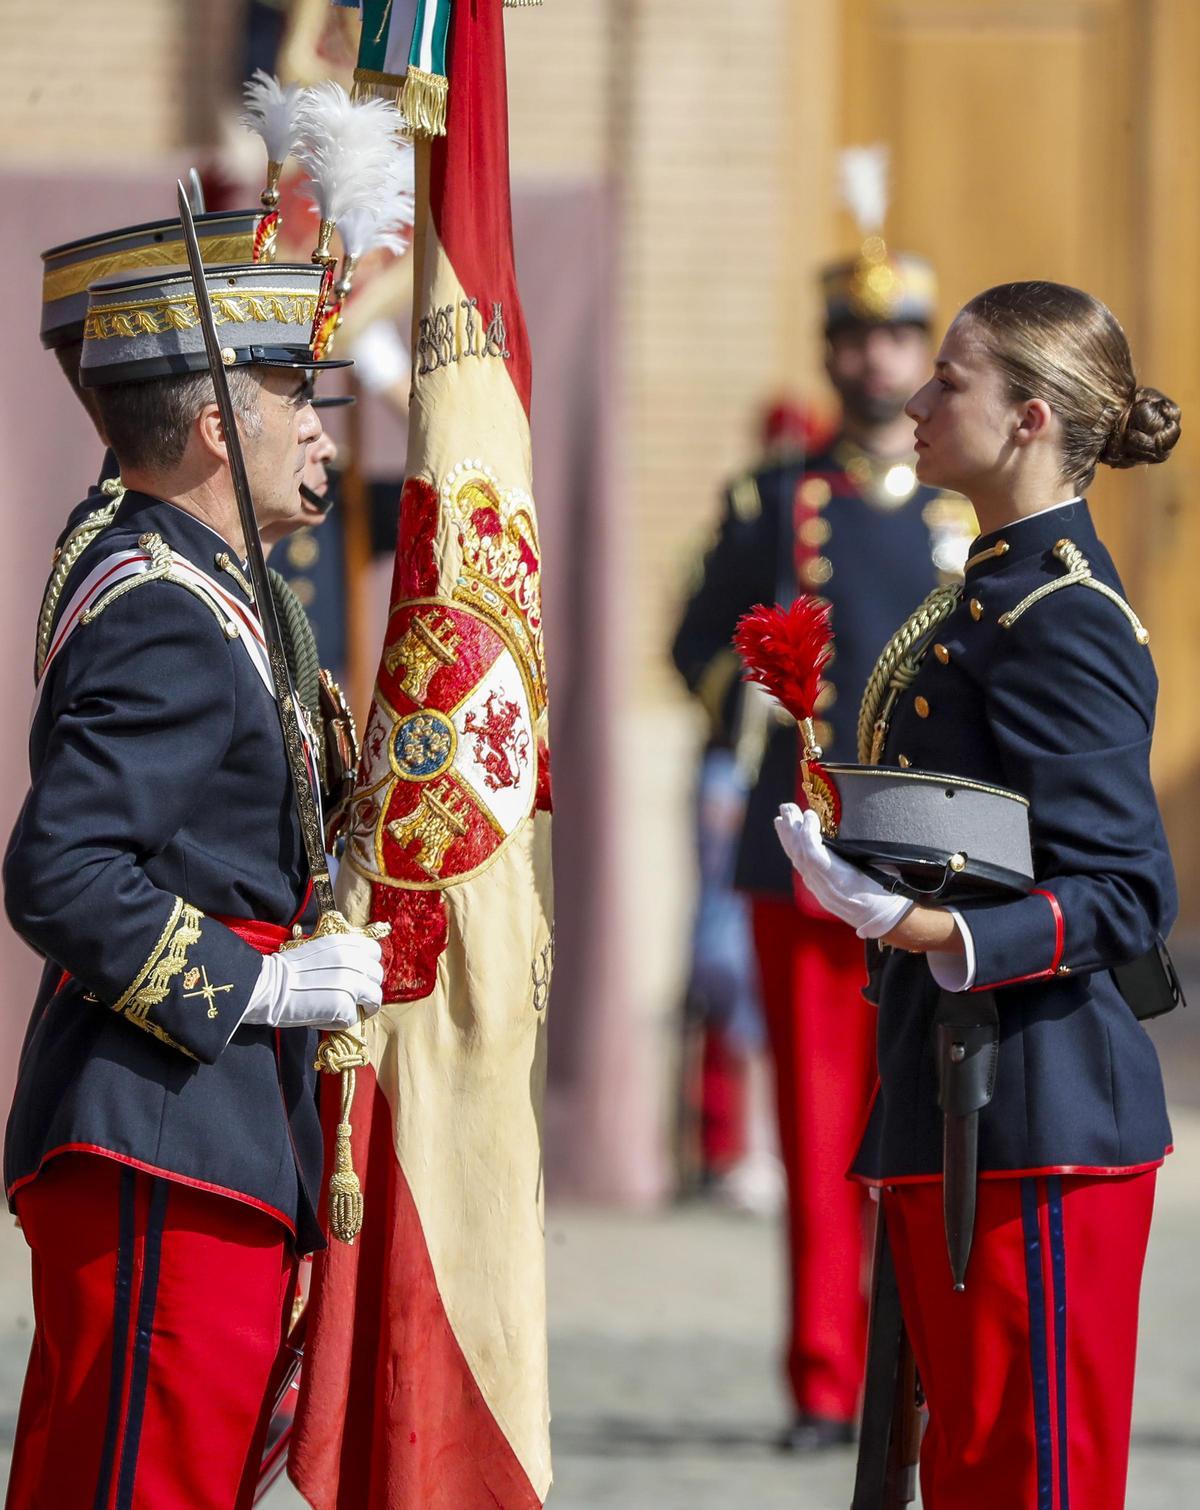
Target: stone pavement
x: 663, y: 1334
x: 664, y: 1329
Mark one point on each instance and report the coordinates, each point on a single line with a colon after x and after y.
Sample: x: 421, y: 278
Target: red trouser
x: 822, y: 1036
x: 159, y: 1311
x: 1029, y: 1372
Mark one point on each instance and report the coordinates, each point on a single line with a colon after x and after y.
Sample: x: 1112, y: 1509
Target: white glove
x: 321, y: 983
x: 869, y: 908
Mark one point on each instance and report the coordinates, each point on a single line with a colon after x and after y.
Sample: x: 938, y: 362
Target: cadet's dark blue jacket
x: 1059, y: 705
x: 804, y: 526
x: 160, y: 801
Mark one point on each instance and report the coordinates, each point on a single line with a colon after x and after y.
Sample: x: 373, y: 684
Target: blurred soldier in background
x: 849, y: 522
x: 728, y: 1145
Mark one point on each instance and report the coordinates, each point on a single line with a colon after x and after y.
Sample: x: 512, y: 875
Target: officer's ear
x: 211, y: 432
x: 1035, y: 421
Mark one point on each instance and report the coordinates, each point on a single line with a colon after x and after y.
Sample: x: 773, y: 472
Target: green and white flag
x: 402, y: 56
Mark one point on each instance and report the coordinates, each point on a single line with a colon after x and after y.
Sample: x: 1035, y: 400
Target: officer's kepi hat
x: 139, y: 328
x: 944, y: 836
x: 227, y: 236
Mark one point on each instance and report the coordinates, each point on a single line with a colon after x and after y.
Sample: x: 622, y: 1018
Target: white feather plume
x: 347, y: 147
x: 863, y: 182
x: 388, y: 219
x: 274, y: 113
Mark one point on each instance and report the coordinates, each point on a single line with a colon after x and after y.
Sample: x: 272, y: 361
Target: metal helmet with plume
x: 863, y: 183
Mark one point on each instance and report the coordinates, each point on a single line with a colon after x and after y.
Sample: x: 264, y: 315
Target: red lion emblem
x: 501, y: 742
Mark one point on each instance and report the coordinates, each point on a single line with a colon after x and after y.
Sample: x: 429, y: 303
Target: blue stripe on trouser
x: 1037, y: 1343
x: 1058, y: 1267
x: 151, y: 1263
x: 123, y: 1289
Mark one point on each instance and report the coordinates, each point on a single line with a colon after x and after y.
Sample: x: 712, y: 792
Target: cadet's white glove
x: 321, y: 983
x: 841, y: 888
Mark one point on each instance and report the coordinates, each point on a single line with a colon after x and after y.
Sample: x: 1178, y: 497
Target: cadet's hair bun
x: 1146, y: 431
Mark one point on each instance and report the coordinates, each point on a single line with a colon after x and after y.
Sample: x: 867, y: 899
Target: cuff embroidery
x: 152, y: 985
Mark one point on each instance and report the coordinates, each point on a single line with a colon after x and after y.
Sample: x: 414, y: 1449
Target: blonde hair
x: 1061, y: 345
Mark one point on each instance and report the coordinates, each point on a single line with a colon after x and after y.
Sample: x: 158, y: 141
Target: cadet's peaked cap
x: 68, y: 271
x: 879, y: 287
x: 149, y: 327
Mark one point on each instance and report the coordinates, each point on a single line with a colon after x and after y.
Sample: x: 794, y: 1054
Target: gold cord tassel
x: 341, y: 1054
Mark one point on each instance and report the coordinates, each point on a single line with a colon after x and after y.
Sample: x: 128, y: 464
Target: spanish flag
x: 424, y: 1380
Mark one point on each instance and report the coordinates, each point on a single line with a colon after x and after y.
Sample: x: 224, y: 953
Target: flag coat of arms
x: 424, y: 1384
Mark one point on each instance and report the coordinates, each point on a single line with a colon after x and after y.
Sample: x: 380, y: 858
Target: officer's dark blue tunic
x: 810, y: 526
x: 160, y: 801
x: 805, y: 526
x: 1055, y: 699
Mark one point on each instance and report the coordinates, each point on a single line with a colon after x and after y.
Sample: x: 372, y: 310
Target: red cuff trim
x: 1096, y: 1171
x: 163, y: 1174
x: 1059, y: 935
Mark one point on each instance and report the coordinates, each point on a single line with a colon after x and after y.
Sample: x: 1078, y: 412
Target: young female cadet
x: 1037, y: 679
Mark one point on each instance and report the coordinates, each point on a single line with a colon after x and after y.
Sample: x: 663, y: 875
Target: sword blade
x: 307, y: 805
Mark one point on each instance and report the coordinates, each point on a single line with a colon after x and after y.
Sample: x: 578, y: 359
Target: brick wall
x: 110, y: 80
x: 691, y: 108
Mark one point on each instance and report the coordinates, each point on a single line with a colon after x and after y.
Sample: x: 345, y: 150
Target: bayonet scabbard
x: 966, y: 1034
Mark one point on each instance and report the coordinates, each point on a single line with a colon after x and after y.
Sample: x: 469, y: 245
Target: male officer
x: 164, y: 1149
x: 850, y: 523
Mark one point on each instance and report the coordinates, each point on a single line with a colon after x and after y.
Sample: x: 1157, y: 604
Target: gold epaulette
x: 744, y: 498
x: 896, y: 668
x: 1079, y: 574
x: 161, y: 569
x: 65, y: 558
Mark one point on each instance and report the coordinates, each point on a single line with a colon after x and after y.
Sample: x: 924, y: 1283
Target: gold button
x: 823, y: 733
x: 815, y: 532
x: 921, y: 704
x: 304, y: 590
x: 303, y: 550
x: 826, y: 696
x: 815, y: 492
x: 976, y: 609
x: 228, y: 356
x: 942, y: 654
x: 903, y: 762
x: 817, y: 571
x: 958, y: 863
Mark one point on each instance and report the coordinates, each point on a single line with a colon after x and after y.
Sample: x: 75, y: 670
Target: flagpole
x: 356, y: 539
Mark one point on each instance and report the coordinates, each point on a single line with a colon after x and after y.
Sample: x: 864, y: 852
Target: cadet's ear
x: 211, y: 432
x: 1035, y: 419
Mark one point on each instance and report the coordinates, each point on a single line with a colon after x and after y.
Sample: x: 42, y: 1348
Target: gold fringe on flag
x: 369, y: 85
x: 423, y: 102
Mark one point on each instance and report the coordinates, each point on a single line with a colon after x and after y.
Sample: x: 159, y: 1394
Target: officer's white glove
x: 841, y: 888
x: 320, y: 983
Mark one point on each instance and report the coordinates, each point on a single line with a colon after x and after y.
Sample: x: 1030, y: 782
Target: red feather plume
x: 785, y: 650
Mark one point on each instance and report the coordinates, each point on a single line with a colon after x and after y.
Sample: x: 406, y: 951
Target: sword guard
x: 335, y: 922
